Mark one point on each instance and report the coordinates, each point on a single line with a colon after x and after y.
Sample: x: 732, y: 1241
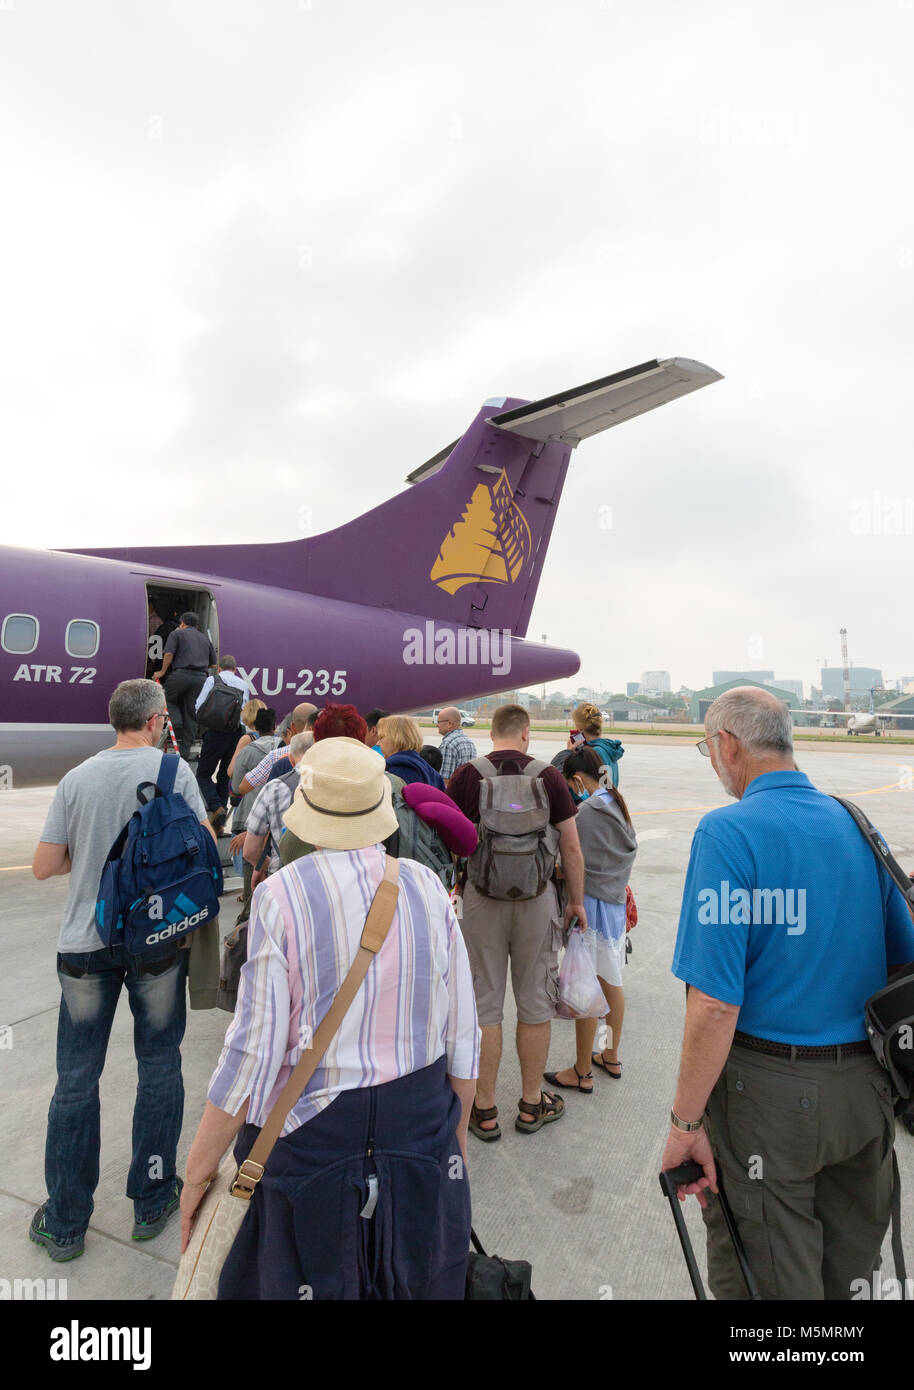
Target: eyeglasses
x: 160, y: 714
x: 702, y: 746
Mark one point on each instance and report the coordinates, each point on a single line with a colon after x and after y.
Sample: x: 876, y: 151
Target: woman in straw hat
x: 365, y: 1195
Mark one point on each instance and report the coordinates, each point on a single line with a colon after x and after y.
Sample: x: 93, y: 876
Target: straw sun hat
x: 343, y: 799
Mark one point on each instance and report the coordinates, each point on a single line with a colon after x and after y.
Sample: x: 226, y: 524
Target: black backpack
x: 221, y: 710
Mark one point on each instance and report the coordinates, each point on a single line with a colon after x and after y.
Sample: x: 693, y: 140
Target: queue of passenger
x: 326, y: 823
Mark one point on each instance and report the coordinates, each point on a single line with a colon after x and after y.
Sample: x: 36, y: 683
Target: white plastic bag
x: 580, y: 995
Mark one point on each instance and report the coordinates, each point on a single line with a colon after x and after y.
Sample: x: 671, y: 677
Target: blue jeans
x: 91, y: 985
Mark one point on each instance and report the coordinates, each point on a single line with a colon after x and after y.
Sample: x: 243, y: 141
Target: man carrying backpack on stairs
x: 526, y: 817
x: 218, y: 711
x: 91, y: 806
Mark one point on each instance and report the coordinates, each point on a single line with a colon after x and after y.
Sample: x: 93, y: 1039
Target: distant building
x: 633, y: 711
x: 703, y: 699
x: 795, y: 686
x: 903, y: 705
x: 747, y: 677
x: 862, y: 680
x: 656, y: 680
x: 632, y: 687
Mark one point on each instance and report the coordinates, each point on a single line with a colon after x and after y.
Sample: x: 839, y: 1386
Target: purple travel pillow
x: 436, y: 809
x: 414, y: 793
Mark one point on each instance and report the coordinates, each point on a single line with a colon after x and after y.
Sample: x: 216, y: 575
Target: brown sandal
x: 486, y: 1135
x: 549, y: 1108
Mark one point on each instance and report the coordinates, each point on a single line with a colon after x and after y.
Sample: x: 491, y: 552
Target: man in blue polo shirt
x: 787, y: 926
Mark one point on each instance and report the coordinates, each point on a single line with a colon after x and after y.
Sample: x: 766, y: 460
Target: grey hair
x: 759, y: 720
x: 300, y: 744
x: 132, y: 703
x: 228, y: 663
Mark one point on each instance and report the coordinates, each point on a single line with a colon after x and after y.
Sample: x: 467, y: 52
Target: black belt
x: 832, y: 1052
x: 199, y: 669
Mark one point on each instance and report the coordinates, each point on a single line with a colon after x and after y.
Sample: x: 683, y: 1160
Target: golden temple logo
x: 490, y: 544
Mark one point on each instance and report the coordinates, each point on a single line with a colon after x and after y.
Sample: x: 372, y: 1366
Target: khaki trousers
x: 805, y: 1148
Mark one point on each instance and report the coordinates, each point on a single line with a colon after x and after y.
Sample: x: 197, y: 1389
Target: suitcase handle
x: 687, y: 1173
x: 678, y: 1177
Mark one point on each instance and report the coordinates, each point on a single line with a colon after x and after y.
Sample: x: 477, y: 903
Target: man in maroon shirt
x: 528, y: 933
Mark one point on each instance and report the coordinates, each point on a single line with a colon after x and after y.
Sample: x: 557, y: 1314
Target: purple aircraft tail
x: 467, y: 541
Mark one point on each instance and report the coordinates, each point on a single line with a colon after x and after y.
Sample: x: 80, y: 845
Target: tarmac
x: 580, y: 1199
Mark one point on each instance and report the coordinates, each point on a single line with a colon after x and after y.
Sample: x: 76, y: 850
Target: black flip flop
x: 596, y: 1059
x: 553, y: 1080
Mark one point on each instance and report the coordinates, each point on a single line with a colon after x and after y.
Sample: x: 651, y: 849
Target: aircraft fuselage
x: 290, y: 646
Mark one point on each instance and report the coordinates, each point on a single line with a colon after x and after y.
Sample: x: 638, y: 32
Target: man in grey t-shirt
x: 90, y: 808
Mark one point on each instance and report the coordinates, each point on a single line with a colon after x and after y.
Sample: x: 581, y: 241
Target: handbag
x: 489, y: 1277
x: 225, y: 1202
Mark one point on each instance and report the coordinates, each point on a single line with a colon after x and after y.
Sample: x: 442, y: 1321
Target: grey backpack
x: 515, y: 857
x: 420, y: 841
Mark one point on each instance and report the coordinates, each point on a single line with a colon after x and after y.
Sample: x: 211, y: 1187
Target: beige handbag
x: 225, y: 1202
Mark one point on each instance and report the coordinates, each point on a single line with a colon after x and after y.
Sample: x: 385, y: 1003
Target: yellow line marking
x: 675, y: 810
x: 889, y: 787
x: 13, y: 868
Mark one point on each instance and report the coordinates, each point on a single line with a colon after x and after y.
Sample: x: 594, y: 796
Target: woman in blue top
x: 588, y: 721
x: 609, y: 846
x: 400, y: 739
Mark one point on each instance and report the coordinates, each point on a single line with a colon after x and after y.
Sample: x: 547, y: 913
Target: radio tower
x: 847, y: 673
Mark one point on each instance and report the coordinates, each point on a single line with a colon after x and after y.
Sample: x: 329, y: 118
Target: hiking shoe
x: 57, y: 1249
x: 530, y: 1118
x: 145, y: 1230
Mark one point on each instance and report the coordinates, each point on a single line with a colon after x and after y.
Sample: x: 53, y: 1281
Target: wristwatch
x: 688, y: 1125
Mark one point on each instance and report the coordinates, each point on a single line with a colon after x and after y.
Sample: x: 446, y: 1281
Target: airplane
x: 861, y: 722
x: 421, y: 601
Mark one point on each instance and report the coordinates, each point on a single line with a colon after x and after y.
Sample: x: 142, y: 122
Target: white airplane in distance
x: 859, y: 721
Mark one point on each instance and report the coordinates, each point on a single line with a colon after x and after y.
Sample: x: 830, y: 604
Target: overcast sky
x: 259, y: 260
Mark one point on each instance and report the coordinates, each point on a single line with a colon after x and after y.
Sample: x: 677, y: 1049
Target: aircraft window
x: 82, y: 637
x: 19, y: 634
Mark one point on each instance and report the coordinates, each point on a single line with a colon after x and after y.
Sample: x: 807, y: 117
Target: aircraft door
x: 165, y: 604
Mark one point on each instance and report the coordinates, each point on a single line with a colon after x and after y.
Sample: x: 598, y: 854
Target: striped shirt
x: 266, y: 815
x: 455, y: 749
x: 416, y: 1003
x: 260, y: 774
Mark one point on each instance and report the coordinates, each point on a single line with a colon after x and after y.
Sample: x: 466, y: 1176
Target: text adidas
x: 174, y: 927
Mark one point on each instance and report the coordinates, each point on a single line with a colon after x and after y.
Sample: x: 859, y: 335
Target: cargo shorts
x: 526, y: 933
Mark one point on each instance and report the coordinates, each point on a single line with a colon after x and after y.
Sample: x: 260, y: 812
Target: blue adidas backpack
x: 163, y: 876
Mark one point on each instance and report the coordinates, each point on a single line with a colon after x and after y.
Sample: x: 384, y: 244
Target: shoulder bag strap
x: 888, y: 861
x: 377, y: 925
x: 880, y: 850
x: 484, y: 767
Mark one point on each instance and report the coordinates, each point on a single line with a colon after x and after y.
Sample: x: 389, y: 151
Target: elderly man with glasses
x: 90, y: 808
x: 787, y: 926
x: 455, y: 748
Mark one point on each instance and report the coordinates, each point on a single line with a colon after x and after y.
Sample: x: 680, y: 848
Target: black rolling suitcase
x: 688, y: 1173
